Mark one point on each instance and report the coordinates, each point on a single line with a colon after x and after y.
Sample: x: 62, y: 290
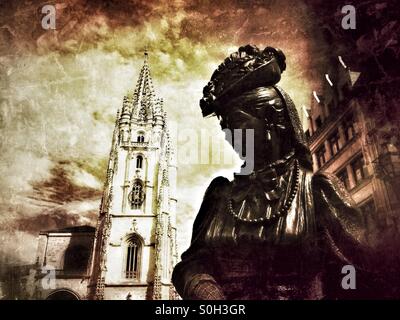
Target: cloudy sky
x: 60, y: 91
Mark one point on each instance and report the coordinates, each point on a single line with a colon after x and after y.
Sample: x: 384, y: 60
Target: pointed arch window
x: 136, y: 197
x: 133, y: 257
x: 140, y: 137
x: 139, y: 162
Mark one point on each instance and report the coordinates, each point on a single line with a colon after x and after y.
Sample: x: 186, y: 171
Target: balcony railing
x: 135, y: 144
x: 139, y: 144
x: 132, y: 275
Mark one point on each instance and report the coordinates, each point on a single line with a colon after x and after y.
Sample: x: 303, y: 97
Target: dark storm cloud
x: 60, y: 189
x: 82, y: 25
x: 52, y: 220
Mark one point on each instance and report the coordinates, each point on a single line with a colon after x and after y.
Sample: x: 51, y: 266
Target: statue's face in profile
x: 243, y: 118
x: 268, y: 122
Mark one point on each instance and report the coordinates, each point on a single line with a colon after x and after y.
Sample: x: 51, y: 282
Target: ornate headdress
x: 247, y: 69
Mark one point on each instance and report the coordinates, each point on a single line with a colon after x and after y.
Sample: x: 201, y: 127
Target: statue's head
x: 246, y: 69
x: 242, y: 95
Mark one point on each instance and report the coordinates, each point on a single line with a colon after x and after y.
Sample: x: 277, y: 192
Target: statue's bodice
x: 272, y: 259
x: 233, y: 226
x: 296, y: 256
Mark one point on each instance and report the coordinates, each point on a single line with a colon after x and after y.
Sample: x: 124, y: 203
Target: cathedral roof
x: 75, y: 229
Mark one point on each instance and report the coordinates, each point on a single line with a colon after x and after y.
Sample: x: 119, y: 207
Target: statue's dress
x: 280, y: 233
x: 299, y: 255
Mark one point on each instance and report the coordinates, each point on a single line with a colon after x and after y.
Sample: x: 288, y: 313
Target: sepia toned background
x: 60, y: 91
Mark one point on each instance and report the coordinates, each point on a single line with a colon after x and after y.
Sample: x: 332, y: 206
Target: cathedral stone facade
x: 133, y: 250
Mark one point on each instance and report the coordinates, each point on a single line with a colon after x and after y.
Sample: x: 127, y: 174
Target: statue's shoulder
x: 332, y: 188
x: 325, y: 179
x: 322, y: 178
x: 280, y: 92
x: 217, y: 187
x: 215, y: 192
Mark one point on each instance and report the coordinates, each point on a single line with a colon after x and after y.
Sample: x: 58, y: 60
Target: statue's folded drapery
x: 298, y: 256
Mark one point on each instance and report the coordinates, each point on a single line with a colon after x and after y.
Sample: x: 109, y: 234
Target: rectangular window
x: 321, y: 156
x: 344, y: 177
x: 368, y: 208
x: 334, y: 143
x: 348, y: 127
x: 368, y: 212
x: 359, y: 169
x: 318, y: 122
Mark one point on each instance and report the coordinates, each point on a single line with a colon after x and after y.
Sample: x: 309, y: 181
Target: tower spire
x: 144, y: 91
x: 145, y: 82
x: 146, y: 54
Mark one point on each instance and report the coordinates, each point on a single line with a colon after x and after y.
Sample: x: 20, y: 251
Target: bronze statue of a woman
x: 281, y: 232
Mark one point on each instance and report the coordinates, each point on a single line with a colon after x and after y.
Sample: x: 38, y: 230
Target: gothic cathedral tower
x: 135, y: 249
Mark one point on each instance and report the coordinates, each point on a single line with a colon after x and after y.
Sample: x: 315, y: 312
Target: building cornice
x: 330, y: 123
x: 348, y: 144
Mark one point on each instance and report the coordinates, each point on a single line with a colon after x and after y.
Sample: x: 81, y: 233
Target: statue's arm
x: 340, y: 219
x: 193, y: 276
x: 344, y: 234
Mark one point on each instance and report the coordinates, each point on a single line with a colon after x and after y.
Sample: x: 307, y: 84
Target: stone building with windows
x: 132, y: 252
x: 135, y: 244
x: 342, y: 140
x: 63, y: 261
